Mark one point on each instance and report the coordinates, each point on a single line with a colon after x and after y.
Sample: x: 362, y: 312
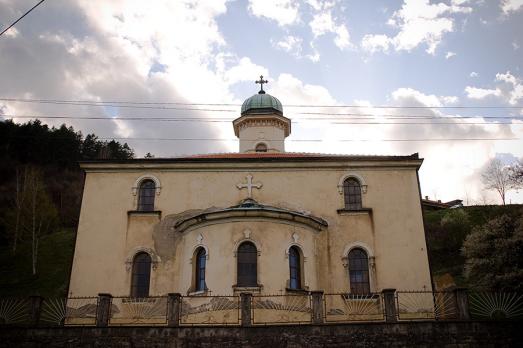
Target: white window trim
x: 372, y: 262
x: 137, y: 183
x: 356, y: 176
x: 155, y: 259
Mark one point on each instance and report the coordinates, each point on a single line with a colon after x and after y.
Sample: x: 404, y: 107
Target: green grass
x: 53, y: 267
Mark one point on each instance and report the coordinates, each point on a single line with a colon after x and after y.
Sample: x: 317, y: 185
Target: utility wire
x: 153, y: 105
x: 25, y: 14
x: 291, y: 140
x: 361, y: 121
x: 296, y: 119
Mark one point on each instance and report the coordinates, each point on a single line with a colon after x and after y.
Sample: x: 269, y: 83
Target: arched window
x: 359, y: 272
x: 141, y: 275
x: 247, y: 265
x: 201, y: 258
x: 352, y: 194
x: 294, y: 268
x: 261, y: 147
x: 146, y: 195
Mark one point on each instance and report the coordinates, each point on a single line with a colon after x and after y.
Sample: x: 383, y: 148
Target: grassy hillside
x: 54, y: 264
x: 447, y: 229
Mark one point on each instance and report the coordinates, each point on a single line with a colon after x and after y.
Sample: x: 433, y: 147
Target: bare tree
x: 497, y: 177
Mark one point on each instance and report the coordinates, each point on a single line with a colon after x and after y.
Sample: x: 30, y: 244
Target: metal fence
x: 303, y: 308
x: 423, y: 305
x: 344, y: 307
x: 210, y: 310
x: 138, y: 311
x: 281, y: 309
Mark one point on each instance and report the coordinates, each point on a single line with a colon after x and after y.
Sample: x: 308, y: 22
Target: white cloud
x: 323, y: 23
x: 450, y: 55
x: 290, y: 44
x: 285, y: 12
x: 515, y: 45
x: 12, y: 32
x: 374, y: 43
x: 509, y: 6
x: 474, y: 74
x: 509, y: 88
x: 481, y: 93
x: 419, y: 22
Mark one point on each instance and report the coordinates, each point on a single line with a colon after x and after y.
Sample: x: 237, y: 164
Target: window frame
x: 139, y: 276
x: 359, y: 267
x: 352, y: 200
x: 247, y: 281
x: 261, y: 147
x: 146, y: 193
x: 200, y: 284
x: 296, y: 281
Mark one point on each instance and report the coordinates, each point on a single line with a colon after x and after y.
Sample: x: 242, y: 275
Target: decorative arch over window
x: 199, y: 270
x: 261, y: 147
x: 247, y: 265
x: 155, y: 259
x: 141, y: 276
x: 358, y: 264
x: 295, y: 268
x: 356, y: 176
x: 157, y: 184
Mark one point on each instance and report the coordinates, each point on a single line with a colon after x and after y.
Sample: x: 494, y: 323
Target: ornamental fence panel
x: 426, y: 305
x: 138, y: 311
x: 345, y: 307
x: 72, y: 311
x: 210, y: 310
x: 15, y: 311
x: 281, y: 309
x: 486, y: 305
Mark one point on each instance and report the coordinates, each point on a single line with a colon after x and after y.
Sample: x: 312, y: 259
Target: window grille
x: 352, y: 194
x: 261, y: 147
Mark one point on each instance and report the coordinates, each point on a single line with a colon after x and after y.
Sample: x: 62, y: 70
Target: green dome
x: 262, y: 103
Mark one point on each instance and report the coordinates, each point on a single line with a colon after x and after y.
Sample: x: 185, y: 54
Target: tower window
x: 261, y: 147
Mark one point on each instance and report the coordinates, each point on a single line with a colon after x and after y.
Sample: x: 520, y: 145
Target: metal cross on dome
x: 261, y: 82
x: 249, y: 186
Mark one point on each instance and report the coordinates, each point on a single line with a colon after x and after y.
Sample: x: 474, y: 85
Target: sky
x: 447, y: 70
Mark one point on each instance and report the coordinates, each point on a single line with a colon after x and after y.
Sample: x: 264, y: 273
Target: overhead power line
x: 229, y: 119
x: 25, y: 14
x: 291, y: 140
x: 332, y: 120
x: 160, y: 105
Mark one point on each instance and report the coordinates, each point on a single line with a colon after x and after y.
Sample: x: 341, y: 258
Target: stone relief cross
x: 249, y: 186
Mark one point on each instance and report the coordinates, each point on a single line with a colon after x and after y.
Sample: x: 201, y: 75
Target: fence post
x: 103, y: 310
x: 245, y: 306
x: 174, y: 303
x: 389, y: 299
x: 462, y: 303
x: 36, y: 309
x: 317, y: 307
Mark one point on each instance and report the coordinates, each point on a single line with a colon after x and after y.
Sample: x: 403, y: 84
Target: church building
x: 262, y: 220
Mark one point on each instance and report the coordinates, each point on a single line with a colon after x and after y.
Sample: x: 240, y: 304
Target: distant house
x: 430, y: 205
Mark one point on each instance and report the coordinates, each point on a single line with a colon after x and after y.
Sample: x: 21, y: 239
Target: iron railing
x: 302, y: 308
x: 345, y: 307
x: 281, y: 309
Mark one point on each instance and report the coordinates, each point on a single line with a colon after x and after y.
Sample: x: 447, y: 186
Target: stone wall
x: 412, y: 334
